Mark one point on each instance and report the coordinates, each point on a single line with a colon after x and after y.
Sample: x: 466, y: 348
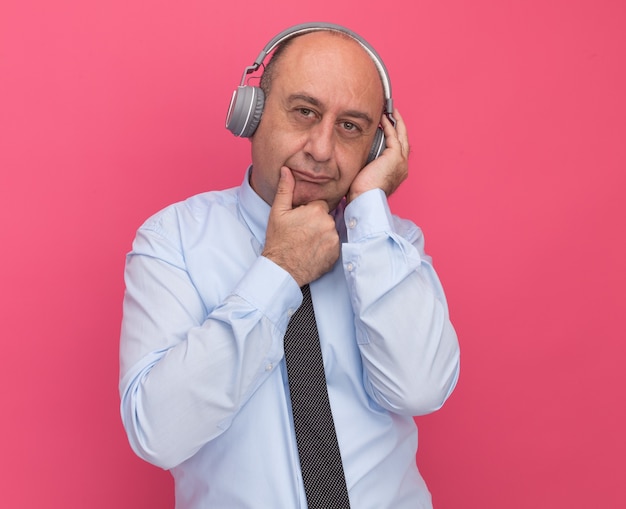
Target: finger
x: 322, y: 204
x: 400, y: 125
x: 397, y: 134
x: 283, y: 200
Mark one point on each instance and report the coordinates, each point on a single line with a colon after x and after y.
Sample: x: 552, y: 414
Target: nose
x: 320, y: 143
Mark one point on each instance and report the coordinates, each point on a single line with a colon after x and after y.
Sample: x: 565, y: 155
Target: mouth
x: 308, y: 176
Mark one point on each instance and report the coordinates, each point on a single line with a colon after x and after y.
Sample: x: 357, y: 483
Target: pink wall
x: 517, y: 116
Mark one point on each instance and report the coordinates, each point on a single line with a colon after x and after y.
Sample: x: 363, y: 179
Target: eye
x: 350, y: 128
x: 305, y: 112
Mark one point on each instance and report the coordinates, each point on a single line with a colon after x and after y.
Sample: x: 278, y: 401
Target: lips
x: 308, y: 176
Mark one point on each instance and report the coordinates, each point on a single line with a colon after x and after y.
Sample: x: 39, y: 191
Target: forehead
x: 330, y: 63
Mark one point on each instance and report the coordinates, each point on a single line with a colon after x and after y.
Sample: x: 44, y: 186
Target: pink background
x: 517, y: 116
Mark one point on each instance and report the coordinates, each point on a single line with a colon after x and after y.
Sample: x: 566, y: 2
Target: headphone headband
x: 316, y: 27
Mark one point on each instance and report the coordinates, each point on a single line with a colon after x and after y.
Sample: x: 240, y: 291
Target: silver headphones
x: 246, y: 104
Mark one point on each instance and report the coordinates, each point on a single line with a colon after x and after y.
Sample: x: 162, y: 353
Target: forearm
x: 410, y: 349
x: 186, y: 372
x: 408, y: 346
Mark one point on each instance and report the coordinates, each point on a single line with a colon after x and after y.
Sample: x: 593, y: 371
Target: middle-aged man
x: 212, y: 283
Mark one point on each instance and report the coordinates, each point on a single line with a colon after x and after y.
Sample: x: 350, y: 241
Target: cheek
x: 351, y: 162
x: 273, y: 144
x: 352, y: 154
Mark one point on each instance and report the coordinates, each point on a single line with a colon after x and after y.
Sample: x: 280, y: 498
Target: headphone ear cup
x: 244, y: 113
x: 378, y: 146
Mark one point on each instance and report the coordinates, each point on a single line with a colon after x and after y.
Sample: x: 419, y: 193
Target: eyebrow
x: 318, y: 104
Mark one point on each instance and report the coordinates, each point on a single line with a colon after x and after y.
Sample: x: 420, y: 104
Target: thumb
x: 283, y: 200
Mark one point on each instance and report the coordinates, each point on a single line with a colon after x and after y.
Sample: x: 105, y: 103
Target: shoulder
x: 192, y: 212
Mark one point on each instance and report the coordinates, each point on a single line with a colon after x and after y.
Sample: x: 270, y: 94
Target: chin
x: 302, y: 198
x: 305, y: 192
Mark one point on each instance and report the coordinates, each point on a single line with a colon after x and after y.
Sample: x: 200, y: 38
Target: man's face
x: 320, y: 117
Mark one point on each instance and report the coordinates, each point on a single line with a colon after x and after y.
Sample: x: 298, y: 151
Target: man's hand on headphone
x: 391, y: 168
